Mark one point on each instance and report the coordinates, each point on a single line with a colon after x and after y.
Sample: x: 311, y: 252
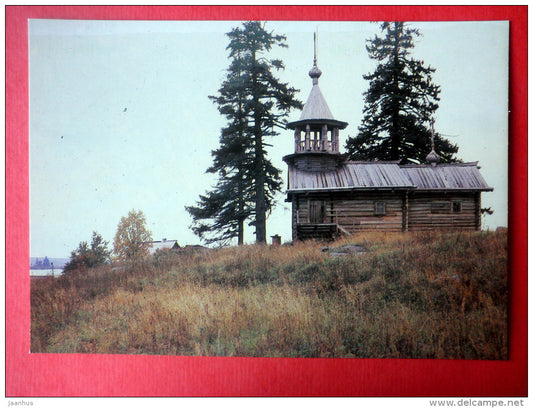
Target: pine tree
x: 399, y: 103
x: 255, y: 103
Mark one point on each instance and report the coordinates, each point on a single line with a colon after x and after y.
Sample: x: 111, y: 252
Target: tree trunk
x: 260, y: 208
x: 395, y: 131
x: 240, y: 232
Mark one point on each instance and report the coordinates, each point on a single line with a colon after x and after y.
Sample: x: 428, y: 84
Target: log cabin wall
x: 367, y: 211
x: 316, y: 162
x: 354, y: 212
x: 388, y: 211
x: 438, y: 210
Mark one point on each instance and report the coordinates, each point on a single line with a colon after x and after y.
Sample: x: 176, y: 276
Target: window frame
x: 377, y: 205
x: 460, y: 204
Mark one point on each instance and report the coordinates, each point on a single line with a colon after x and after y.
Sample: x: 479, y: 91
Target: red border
x: 30, y: 375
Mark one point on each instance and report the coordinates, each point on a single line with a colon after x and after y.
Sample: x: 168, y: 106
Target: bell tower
x: 316, y: 133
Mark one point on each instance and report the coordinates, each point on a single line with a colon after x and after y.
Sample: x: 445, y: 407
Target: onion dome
x: 433, y: 158
x: 315, y: 73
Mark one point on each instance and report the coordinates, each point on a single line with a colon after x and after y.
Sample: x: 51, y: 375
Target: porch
x: 322, y: 231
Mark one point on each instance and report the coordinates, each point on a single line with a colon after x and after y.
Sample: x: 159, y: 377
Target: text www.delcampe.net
x: 492, y: 403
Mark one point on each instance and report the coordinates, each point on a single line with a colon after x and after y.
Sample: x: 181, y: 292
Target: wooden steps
x: 316, y: 231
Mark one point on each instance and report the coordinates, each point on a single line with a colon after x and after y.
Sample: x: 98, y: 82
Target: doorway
x: 316, y: 212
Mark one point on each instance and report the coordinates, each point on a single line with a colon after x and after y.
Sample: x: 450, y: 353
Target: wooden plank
x: 355, y: 211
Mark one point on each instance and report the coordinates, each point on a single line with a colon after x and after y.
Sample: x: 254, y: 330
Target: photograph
x: 246, y: 202
x: 269, y: 188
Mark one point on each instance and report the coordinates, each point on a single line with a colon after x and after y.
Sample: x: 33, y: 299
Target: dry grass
x: 409, y: 296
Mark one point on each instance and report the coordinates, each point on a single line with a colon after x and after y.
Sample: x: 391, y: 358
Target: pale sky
x: 120, y: 117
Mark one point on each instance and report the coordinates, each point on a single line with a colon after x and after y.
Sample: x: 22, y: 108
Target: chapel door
x: 316, y: 212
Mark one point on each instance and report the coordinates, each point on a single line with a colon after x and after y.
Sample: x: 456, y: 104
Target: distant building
x: 44, y: 264
x: 154, y: 246
x: 331, y: 195
x: 193, y: 248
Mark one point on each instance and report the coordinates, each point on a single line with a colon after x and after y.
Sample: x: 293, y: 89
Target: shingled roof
x: 351, y: 175
x: 389, y: 175
x: 316, y: 109
x: 316, y: 106
x: 451, y: 176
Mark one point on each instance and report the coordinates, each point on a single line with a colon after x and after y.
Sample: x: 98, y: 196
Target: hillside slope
x: 405, y: 296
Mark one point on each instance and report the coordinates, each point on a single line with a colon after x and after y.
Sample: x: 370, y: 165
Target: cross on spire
x: 433, y: 134
x: 315, y: 35
x: 433, y: 157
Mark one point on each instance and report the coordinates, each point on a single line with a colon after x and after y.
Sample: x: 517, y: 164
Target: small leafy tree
x: 131, y: 237
x: 86, y: 256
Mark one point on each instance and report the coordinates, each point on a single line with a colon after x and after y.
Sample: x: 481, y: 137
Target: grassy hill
x: 423, y: 295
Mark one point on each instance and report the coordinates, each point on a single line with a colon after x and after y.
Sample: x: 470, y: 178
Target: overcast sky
x: 120, y: 117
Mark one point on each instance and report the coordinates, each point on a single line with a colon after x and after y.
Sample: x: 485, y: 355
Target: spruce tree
x: 220, y: 214
x: 399, y: 103
x: 255, y: 103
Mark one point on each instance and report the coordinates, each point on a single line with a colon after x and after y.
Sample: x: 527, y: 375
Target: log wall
x: 413, y: 211
x: 353, y: 212
x: 316, y: 162
x: 436, y: 211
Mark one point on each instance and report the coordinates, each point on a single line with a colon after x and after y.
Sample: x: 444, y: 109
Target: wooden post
x: 295, y: 217
x: 307, y: 136
x: 477, y: 199
x: 324, y: 138
x: 405, y: 212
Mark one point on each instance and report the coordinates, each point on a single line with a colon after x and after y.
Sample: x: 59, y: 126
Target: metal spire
x: 433, y: 134
x: 315, y: 72
x: 433, y: 157
x: 315, y: 35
